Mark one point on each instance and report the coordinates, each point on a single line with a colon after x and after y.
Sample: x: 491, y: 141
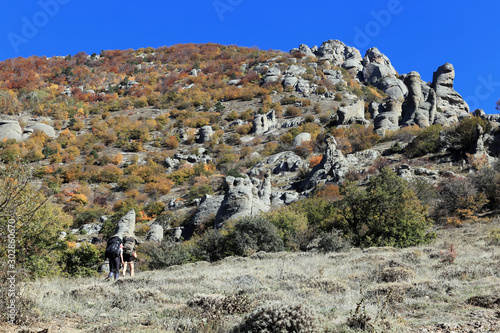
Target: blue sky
x: 415, y: 35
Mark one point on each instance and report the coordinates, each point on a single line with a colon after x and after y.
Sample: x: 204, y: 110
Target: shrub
x: 281, y: 318
x: 289, y: 223
x: 87, y: 215
x: 333, y: 242
x: 209, y: 247
x: 82, y: 261
x: 166, y: 254
x: 216, y: 305
x: 459, y: 198
x: 388, y: 213
x: 463, y: 137
x: 252, y: 234
x: 426, y: 142
x: 293, y: 111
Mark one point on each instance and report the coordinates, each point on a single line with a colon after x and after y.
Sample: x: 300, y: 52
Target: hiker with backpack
x: 129, y: 253
x: 114, y: 253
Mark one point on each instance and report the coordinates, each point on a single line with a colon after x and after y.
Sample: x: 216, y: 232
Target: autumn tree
x: 387, y: 213
x: 31, y: 224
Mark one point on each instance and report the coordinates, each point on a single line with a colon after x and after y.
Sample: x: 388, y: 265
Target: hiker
x: 114, y: 253
x: 129, y: 253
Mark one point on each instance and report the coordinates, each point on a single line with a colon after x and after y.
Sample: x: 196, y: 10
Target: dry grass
x: 397, y: 290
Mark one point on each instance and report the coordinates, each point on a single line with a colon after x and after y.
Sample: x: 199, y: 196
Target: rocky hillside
x: 191, y: 136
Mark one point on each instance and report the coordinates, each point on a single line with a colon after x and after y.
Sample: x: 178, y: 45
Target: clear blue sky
x: 415, y: 35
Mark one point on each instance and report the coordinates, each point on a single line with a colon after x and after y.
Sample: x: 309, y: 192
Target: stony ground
x: 420, y: 289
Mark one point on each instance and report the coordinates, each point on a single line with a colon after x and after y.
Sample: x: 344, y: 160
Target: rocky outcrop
x: 10, y: 129
x: 394, y: 88
x: 283, y: 162
x: 447, y: 98
x: 332, y: 167
x: 451, y: 105
x: 388, y: 117
x: 155, y: 234
x: 126, y: 225
x: 273, y: 74
x: 47, y: 129
x: 244, y: 197
x: 205, y: 134
x: 207, y: 209
x: 377, y: 66
x: 262, y: 123
x: 419, y: 107
x: 349, y: 114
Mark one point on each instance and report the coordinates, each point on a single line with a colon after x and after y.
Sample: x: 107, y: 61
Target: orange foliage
x: 315, y: 160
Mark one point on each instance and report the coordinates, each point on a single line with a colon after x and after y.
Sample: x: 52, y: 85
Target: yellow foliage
x: 117, y: 159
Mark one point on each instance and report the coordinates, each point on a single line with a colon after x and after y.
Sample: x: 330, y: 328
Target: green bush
x: 252, y: 234
x: 289, y: 223
x: 426, y: 142
x: 82, y: 261
x: 333, y: 242
x: 87, y: 215
x: 387, y: 213
x: 167, y: 254
x: 210, y: 246
x: 463, y: 137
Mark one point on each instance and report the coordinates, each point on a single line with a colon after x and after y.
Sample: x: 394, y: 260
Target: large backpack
x: 113, y: 247
x: 128, y: 246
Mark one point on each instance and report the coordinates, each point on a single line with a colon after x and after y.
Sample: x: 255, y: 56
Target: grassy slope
x: 425, y: 290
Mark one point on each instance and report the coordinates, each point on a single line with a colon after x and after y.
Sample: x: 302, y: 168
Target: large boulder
x: 301, y: 138
x: 244, y: 197
x: 155, y: 234
x: 10, y: 129
x: 126, y: 225
x: 47, y: 129
x: 205, y: 134
x: 304, y: 49
x: 263, y: 123
x: 207, y: 209
x: 290, y: 82
x: 394, y: 88
x: 334, y: 76
x: 351, y: 113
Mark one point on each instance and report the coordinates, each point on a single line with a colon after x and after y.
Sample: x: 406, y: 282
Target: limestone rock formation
x: 450, y: 105
x: 47, y: 129
x: 282, y: 162
x: 377, y: 66
x: 419, y: 107
x: 243, y: 197
x: 332, y: 167
x: 126, y: 225
x: 207, y: 209
x: 388, y: 117
x: 10, y: 129
x: 351, y: 113
x: 447, y: 98
x: 155, y: 234
x: 338, y: 54
x: 205, y: 134
x: 262, y: 123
